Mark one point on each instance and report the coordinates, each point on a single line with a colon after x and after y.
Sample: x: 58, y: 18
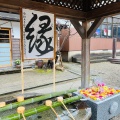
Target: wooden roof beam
x: 94, y: 26
x: 79, y: 28
x: 107, y: 10
x: 8, y: 9
x: 59, y: 11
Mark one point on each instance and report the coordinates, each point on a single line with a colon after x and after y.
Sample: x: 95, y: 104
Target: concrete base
x: 106, y: 108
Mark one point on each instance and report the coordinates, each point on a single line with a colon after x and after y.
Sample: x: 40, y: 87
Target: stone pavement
x: 36, y: 78
x: 107, y: 72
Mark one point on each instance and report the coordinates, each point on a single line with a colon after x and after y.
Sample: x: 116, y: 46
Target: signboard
x: 38, y: 34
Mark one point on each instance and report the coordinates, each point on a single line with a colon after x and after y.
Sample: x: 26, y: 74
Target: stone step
x: 114, y: 59
x: 93, y: 58
x: 115, y: 62
x: 95, y: 61
x: 96, y: 58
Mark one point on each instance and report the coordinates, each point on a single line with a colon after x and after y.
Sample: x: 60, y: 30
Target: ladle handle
x: 67, y: 110
x: 23, y: 116
x: 55, y: 113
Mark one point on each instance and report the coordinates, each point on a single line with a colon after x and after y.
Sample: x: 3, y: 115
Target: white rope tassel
x: 22, y: 77
x: 54, y: 74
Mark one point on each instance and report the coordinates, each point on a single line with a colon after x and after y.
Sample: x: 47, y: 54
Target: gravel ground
x: 107, y: 72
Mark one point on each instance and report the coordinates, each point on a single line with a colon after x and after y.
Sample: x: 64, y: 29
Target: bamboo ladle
x: 21, y: 110
x: 2, y: 104
x: 49, y: 103
x: 60, y: 99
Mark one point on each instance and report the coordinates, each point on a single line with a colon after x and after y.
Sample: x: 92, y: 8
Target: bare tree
x: 66, y: 25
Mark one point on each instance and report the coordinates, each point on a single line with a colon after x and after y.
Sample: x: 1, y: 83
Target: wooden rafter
x: 12, y: 3
x: 72, y: 4
x: 62, y: 11
x: 94, y: 26
x: 8, y: 9
x: 107, y: 10
x: 59, y: 11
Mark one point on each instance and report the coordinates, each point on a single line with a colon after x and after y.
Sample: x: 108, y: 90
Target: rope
x: 22, y: 77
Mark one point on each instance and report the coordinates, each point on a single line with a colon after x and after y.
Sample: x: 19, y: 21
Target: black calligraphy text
x: 37, y: 41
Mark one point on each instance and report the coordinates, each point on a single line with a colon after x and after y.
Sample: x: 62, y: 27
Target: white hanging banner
x: 38, y: 34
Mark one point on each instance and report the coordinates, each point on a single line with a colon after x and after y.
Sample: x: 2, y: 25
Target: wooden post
x: 21, y: 50
x: 85, y: 31
x: 54, y: 74
x: 114, y: 48
x: 85, y: 64
x: 54, y: 70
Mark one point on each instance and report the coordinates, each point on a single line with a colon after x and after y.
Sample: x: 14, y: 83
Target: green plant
x: 17, y: 62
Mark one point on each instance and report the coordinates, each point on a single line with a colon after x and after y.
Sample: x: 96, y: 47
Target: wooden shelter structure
x: 75, y: 11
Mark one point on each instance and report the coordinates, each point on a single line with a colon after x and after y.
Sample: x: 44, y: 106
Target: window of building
x: 115, y: 20
x: 109, y: 31
x: 114, y: 31
x: 105, y: 20
x: 104, y: 30
x: 98, y: 32
x: 109, y: 20
x: 110, y: 28
x: 4, y: 36
x: 119, y: 31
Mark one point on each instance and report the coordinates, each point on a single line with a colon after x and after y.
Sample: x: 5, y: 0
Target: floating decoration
x: 60, y: 99
x: 99, y: 92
